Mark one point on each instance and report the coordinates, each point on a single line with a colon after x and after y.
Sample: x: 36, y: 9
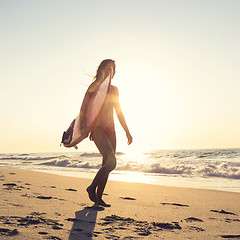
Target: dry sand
x: 35, y: 205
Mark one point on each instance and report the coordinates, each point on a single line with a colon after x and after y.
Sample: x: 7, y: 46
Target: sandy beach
x: 37, y: 205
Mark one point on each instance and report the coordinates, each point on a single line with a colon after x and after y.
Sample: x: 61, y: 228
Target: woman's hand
x: 129, y: 137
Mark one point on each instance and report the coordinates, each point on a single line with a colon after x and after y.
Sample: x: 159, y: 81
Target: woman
x: 103, y: 133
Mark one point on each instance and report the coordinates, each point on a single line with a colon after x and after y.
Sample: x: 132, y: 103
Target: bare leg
x: 107, y: 149
x: 103, y: 183
x: 101, y: 187
x: 100, y: 190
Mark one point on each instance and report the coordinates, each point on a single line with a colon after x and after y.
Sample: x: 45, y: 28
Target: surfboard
x: 90, y: 110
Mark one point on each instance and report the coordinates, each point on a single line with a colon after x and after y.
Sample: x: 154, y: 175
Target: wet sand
x: 35, y: 205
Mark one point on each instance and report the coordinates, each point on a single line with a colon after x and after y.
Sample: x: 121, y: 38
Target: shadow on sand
x: 84, y: 223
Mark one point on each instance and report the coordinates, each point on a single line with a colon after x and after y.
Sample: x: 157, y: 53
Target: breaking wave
x: 72, y: 164
x: 196, y: 154
x: 216, y: 169
x: 220, y: 163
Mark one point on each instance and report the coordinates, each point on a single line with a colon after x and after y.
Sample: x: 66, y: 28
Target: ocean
x: 216, y: 169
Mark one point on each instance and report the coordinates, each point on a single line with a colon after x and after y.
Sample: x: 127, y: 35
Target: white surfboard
x: 92, y: 104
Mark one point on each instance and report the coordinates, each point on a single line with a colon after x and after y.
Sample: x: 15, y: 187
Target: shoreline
x: 40, y: 205
x: 202, y: 169
x: 217, y: 184
x: 158, y: 180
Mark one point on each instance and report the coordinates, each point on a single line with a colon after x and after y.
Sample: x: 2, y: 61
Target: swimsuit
x: 107, y: 130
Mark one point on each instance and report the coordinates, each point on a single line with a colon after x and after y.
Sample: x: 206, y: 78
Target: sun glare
x: 151, y: 105
x: 134, y: 154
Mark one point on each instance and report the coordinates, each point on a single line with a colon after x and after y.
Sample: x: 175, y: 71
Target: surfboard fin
x: 63, y: 137
x: 67, y: 135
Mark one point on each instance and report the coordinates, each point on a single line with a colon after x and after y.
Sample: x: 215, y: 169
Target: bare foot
x: 91, y: 194
x: 102, y: 203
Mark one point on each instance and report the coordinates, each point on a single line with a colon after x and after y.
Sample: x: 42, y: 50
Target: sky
x: 177, y: 70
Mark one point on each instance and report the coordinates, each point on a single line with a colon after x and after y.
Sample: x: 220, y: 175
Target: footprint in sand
x: 223, y: 212
x: 42, y: 233
x: 196, y: 228
x: 37, y: 213
x: 2, y: 178
x: 53, y: 237
x: 142, y: 228
x: 12, y: 186
x: 128, y: 198
x: 175, y: 204
x: 57, y: 228
x: 8, y: 232
x: 71, y: 189
x: 44, y: 197
x: 193, y: 219
x: 230, y: 236
x: 229, y: 220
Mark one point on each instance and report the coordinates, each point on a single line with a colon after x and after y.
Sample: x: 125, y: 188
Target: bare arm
x: 120, y: 115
